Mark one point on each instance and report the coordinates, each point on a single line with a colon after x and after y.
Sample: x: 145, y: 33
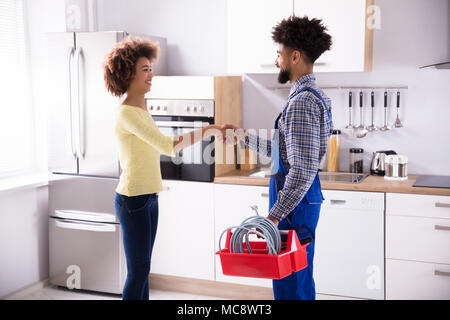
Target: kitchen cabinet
x: 250, y: 45
x: 417, y: 246
x: 184, y: 244
x: 251, y: 48
x: 231, y: 207
x: 351, y: 50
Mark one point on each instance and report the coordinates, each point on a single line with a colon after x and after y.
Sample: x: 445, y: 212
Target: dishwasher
x: 86, y: 251
x: 349, y: 247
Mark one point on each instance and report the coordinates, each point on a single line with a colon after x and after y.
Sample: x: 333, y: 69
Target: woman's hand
x: 231, y: 133
x: 223, y: 133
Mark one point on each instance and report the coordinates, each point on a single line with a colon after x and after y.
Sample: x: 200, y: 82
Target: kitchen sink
x: 346, y: 177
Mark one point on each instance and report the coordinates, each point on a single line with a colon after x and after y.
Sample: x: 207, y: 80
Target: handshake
x: 230, y: 134
x: 227, y: 134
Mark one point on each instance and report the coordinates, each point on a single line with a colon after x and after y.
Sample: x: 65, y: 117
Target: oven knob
x: 188, y: 108
x: 158, y: 108
x: 202, y: 109
x: 165, y: 108
x: 151, y: 107
x: 195, y: 109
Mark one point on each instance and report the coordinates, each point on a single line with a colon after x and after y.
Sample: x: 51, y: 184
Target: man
x: 304, y: 126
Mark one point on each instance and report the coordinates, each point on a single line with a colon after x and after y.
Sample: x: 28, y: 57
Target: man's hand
x: 222, y: 133
x: 234, y: 132
x: 275, y: 221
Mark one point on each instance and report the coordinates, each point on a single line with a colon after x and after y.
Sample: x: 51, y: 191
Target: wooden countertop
x: 371, y: 183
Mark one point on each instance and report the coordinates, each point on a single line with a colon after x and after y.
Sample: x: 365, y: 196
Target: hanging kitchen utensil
x: 372, y: 127
x: 361, y: 130
x: 385, y: 127
x: 398, y: 123
x: 350, y: 112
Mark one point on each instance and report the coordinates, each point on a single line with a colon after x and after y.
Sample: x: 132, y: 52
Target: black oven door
x: 194, y: 163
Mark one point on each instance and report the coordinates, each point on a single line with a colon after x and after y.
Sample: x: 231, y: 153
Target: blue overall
x: 299, y: 285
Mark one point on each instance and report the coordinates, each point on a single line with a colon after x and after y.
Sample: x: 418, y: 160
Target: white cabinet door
x: 419, y: 239
x: 184, y: 244
x: 418, y: 205
x: 232, y: 206
x: 417, y: 280
x: 250, y: 25
x: 250, y: 45
x: 345, y: 21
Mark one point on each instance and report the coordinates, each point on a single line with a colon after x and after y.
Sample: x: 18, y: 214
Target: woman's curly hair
x: 303, y: 34
x: 120, y: 63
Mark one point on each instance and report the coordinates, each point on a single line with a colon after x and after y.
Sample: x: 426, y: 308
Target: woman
x: 128, y: 70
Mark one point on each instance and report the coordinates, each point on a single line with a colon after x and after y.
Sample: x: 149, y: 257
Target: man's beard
x: 284, y: 76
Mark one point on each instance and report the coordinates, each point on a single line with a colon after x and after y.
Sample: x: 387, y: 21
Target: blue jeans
x: 138, y: 217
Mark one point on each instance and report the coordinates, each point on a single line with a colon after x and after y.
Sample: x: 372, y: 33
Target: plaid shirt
x: 303, y: 139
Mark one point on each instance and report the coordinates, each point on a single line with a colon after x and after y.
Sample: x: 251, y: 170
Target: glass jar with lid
x: 356, y: 160
x: 333, y: 151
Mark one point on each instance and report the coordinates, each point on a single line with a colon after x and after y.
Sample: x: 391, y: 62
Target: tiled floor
x: 58, y: 293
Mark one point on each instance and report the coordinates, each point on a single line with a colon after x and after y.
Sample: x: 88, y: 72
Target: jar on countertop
x: 356, y: 160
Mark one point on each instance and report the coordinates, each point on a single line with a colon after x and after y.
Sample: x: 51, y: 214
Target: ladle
x: 361, y: 130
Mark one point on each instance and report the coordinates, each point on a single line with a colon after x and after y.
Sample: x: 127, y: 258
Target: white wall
x: 413, y: 33
x: 23, y: 238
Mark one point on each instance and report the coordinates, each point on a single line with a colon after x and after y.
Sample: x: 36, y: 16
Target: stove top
x: 432, y: 181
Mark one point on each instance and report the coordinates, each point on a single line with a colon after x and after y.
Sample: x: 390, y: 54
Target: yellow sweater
x: 140, y: 145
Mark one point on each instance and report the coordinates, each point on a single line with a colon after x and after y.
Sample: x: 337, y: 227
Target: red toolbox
x: 260, y: 264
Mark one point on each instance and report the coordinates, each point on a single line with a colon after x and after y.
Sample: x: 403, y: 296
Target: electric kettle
x: 377, y: 167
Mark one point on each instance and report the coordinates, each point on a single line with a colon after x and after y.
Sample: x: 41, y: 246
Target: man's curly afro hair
x: 303, y: 34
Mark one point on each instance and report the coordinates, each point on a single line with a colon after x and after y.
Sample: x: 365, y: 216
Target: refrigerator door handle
x: 84, y: 215
x: 70, y: 99
x: 86, y: 226
x: 80, y: 105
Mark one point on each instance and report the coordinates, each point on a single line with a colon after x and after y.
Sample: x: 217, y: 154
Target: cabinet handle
x: 442, y: 205
x: 264, y: 195
x: 267, y: 65
x: 338, y: 201
x: 438, y: 227
x: 441, y: 273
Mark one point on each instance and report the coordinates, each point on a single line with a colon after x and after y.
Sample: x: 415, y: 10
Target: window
x: 17, y: 153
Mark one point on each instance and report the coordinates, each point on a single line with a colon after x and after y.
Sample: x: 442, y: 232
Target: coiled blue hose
x: 251, y: 225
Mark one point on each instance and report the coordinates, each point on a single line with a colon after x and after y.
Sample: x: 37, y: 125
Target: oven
x: 176, y: 117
